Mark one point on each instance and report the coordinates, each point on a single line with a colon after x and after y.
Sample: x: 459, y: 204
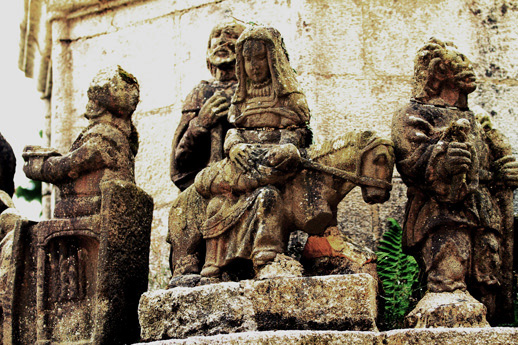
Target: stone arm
x: 428, y: 163
x: 188, y: 150
x: 196, y: 125
x: 94, y: 154
x: 189, y: 137
x: 297, y: 102
x: 192, y: 146
x: 504, y: 167
x: 232, y: 138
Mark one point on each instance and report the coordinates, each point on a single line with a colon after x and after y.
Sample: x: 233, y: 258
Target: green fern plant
x: 399, y: 274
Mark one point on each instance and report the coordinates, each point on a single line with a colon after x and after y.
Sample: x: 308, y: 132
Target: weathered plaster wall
x: 354, y: 60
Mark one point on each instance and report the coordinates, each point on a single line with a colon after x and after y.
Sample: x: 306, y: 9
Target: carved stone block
x: 341, y: 302
x: 80, y: 279
x: 447, y: 309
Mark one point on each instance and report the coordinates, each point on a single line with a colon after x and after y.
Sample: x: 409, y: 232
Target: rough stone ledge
x: 280, y: 338
x: 335, y: 302
x: 452, y: 336
x: 435, y: 336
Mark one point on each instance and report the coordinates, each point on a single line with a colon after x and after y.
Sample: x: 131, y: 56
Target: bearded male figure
x: 460, y: 175
x: 198, y: 140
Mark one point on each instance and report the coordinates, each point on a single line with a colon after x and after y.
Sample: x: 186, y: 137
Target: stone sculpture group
x: 250, y: 175
x: 459, y: 171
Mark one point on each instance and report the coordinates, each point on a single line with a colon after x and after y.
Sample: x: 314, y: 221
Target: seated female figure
x: 270, y: 115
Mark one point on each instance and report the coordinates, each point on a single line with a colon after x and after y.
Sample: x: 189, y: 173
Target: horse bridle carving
x: 355, y: 178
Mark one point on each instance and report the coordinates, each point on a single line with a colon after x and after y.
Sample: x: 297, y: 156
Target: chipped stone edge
x: 432, y: 336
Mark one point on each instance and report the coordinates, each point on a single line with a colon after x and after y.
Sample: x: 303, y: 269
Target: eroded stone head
x: 256, y: 61
x: 221, y: 50
x: 440, y: 65
x: 115, y: 90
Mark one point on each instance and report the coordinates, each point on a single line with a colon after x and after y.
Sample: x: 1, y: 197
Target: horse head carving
x: 332, y: 170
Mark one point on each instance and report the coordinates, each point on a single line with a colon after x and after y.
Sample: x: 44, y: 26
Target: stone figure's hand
x: 246, y: 157
x: 33, y: 171
x: 35, y: 157
x: 507, y: 171
x: 458, y: 158
x: 214, y: 108
x: 283, y: 157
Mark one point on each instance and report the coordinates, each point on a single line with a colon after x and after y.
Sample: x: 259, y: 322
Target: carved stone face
x: 462, y: 70
x: 256, y: 61
x: 440, y: 65
x: 93, y: 109
x: 113, y: 90
x: 222, y: 44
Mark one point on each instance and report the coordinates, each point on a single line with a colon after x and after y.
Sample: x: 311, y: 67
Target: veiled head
x: 283, y: 77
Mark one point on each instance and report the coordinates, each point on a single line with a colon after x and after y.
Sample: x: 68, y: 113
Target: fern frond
x: 398, y: 273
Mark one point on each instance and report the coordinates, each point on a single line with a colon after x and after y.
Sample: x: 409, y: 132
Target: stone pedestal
x: 338, y: 302
x: 447, y: 309
x: 78, y: 280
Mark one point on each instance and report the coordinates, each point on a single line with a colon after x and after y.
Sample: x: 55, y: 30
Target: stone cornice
x: 73, y: 5
x: 78, y: 8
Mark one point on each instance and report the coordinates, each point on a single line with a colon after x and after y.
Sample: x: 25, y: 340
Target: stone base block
x: 339, y: 302
x: 447, y: 309
x: 441, y: 336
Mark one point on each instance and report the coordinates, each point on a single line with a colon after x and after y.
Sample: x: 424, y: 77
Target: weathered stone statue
x: 460, y: 176
x: 244, y: 217
x: 268, y: 133
x: 198, y: 140
x: 241, y: 209
x: 105, y: 150
x: 7, y: 167
x: 78, y: 277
